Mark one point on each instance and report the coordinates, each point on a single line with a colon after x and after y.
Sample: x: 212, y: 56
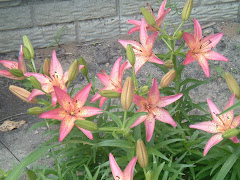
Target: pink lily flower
x: 57, y: 78
x: 113, y: 82
x: 201, y: 48
x: 153, y: 106
x: 143, y: 52
x: 159, y: 20
x: 14, y: 65
x: 117, y: 172
x: 72, y: 109
x: 219, y: 124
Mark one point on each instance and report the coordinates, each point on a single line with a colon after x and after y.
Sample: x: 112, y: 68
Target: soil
x: 101, y: 56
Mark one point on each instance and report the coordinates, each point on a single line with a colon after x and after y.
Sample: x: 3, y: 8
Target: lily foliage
x: 96, y: 137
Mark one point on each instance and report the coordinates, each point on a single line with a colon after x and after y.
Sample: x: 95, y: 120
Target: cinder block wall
x: 89, y: 20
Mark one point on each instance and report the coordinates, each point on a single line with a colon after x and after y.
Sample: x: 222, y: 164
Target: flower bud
x: 46, y: 66
x: 109, y: 94
x: 179, y: 35
x: 16, y: 72
x: 127, y: 93
x: 142, y: 155
x: 84, y: 70
x: 149, y: 175
x: 187, y: 10
x: 35, y: 111
x: 144, y: 89
x: 230, y: 133
x: 22, y: 94
x: 87, y: 125
x: 130, y: 55
x: 169, y: 64
x: 28, y: 44
x: 168, y: 78
x: 232, y: 84
x: 148, y: 16
x: 26, y: 53
x: 36, y: 84
x: 73, y: 71
x: 21, y: 61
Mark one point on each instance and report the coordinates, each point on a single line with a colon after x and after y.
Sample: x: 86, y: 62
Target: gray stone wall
x: 90, y: 20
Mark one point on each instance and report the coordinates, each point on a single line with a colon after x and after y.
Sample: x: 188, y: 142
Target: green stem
x: 33, y: 65
x: 124, y: 119
x: 135, y: 83
x: 91, y: 86
x: 145, y: 172
x: 178, y: 28
x: 161, y: 30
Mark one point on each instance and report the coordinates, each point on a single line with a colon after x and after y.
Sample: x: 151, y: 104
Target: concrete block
x: 207, y: 2
x: 97, y: 29
x: 220, y: 12
x: 15, y: 17
x: 68, y: 11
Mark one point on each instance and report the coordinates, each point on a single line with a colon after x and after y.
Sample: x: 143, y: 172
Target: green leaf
x: 134, y: 117
x: 230, y: 108
x: 151, y: 150
x: 114, y: 118
x: 115, y: 143
x: 35, y: 155
x: 228, y: 165
x: 31, y: 175
x: 156, y: 172
x: 88, y: 172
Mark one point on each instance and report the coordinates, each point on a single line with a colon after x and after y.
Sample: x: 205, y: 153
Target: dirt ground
x: 99, y: 55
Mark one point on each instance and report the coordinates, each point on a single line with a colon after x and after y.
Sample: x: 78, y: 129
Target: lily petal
x: 140, y: 61
x: 189, y: 39
x: 161, y: 9
x: 153, y: 95
x: 190, y: 57
x: 87, y: 111
x: 163, y: 116
x: 236, y: 122
x: 155, y: 59
x: 58, y: 114
x: 64, y: 99
x: 129, y: 170
x: 166, y: 100
x: 143, y: 33
x: 116, y: 171
x: 208, y: 126
x: 197, y: 30
x: 139, y: 101
x: 214, y: 111
x: 204, y: 64
x: 40, y: 77
x: 35, y: 92
x: 150, y: 40
x: 56, y: 70
x: 87, y: 133
x: 7, y: 74
x: 134, y: 44
x: 234, y: 139
x: 160, y: 20
x: 21, y: 62
x: 211, y: 142
x: 102, y: 101
x: 9, y: 64
x: 228, y: 117
x: 81, y: 97
x: 115, y: 70
x: 54, y: 99
x: 134, y: 22
x: 104, y: 79
x: 211, y: 41
x: 139, y: 121
x: 212, y: 55
x: 149, y: 125
x: 66, y: 126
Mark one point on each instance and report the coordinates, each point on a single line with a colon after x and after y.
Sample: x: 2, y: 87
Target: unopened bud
x: 179, y: 35
x: 87, y: 125
x: 21, y: 61
x: 130, y: 55
x: 109, y: 94
x: 144, y: 89
x: 169, y: 64
x: 84, y: 70
x: 26, y: 53
x: 148, y: 16
x: 142, y: 155
x: 22, y: 94
x: 149, y: 175
x: 16, y: 72
x: 28, y: 44
x: 35, y: 111
x: 230, y: 133
x: 73, y: 71
x: 232, y: 84
x: 46, y: 66
x: 168, y: 78
x: 127, y: 93
x: 36, y: 84
x: 187, y: 10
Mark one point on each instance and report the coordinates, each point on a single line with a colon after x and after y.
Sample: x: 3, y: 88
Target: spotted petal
x: 9, y: 64
x: 190, y: 57
x: 58, y: 114
x: 236, y: 122
x: 56, y: 70
x: 64, y: 99
x: 166, y: 100
x: 115, y: 70
x: 129, y: 170
x: 35, y: 92
x: 87, y: 111
x: 139, y: 120
x: 66, y: 126
x: 208, y: 126
x: 211, y: 142
x: 163, y: 116
x: 149, y: 125
x: 40, y: 77
x: 204, y: 64
x: 116, y: 171
x: 197, y: 30
x: 81, y: 97
x: 139, y: 101
x: 143, y: 33
x: 212, y: 55
x: 153, y: 95
x: 7, y: 74
x: 87, y: 133
x: 214, y: 111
